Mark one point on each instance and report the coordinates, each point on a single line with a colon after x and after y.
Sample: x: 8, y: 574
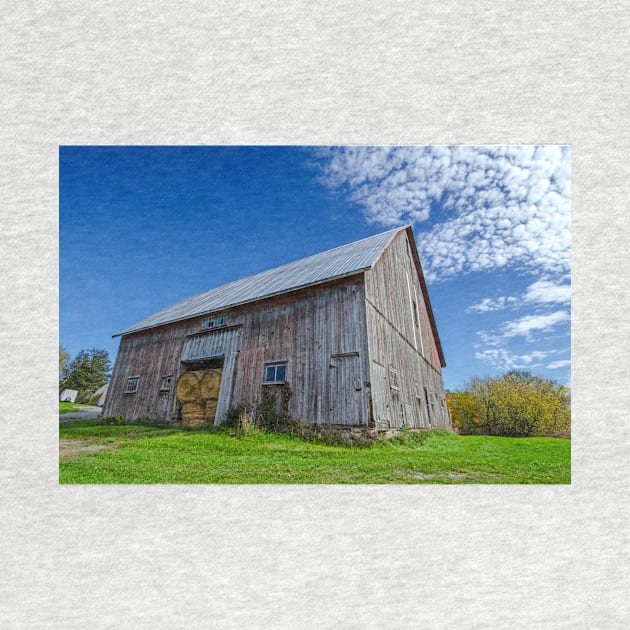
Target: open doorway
x: 197, y: 390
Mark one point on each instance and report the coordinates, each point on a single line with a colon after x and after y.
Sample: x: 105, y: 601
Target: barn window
x: 166, y: 384
x: 393, y: 379
x: 275, y: 373
x: 214, y: 322
x: 132, y: 385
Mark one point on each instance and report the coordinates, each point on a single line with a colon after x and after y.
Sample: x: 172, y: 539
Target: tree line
x: 86, y: 372
x: 517, y: 404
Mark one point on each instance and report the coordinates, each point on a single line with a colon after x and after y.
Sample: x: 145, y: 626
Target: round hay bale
x: 187, y: 388
x: 210, y: 384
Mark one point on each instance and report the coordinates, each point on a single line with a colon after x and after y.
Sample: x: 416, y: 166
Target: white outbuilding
x: 68, y: 395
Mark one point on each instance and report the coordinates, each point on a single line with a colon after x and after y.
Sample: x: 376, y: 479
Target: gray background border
x: 302, y: 73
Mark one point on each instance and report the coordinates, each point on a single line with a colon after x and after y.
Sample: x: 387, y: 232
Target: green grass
x: 139, y: 454
x: 67, y: 407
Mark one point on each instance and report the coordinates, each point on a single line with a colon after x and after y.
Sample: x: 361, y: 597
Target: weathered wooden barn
x: 347, y: 334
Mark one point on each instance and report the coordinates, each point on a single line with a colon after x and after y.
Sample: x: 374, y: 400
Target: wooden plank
x: 395, y: 340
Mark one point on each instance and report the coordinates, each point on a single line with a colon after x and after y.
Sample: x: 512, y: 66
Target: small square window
x: 275, y: 373
x: 166, y: 384
x: 214, y: 322
x: 132, y: 385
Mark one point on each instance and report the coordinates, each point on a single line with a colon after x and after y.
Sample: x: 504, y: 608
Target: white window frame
x: 170, y: 381
x: 132, y: 385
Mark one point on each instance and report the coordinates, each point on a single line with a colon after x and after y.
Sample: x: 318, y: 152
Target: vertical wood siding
x: 398, y: 349
x: 151, y: 355
x: 305, y: 329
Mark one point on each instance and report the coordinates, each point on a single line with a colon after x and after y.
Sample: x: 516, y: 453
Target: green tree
x: 517, y: 404
x: 467, y: 412
x: 63, y: 359
x: 88, y: 371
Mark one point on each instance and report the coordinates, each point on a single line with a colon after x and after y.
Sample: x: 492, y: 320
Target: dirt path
x: 70, y: 448
x: 87, y: 413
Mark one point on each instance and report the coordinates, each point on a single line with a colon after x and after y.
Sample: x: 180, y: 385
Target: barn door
x: 209, y: 392
x: 346, y: 390
x: 214, y: 350
x: 198, y: 393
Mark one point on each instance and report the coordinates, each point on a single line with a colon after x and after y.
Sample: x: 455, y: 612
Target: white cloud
x: 546, y: 291
x: 541, y: 292
x: 523, y: 327
x: 554, y: 365
x: 530, y: 323
x: 488, y: 304
x: 500, y: 205
x: 504, y: 359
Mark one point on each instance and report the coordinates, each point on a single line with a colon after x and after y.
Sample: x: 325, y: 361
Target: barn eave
x: 216, y: 309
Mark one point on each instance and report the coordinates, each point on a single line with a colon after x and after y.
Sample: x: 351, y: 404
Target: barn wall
x: 151, y: 355
x: 404, y: 359
x: 320, y: 332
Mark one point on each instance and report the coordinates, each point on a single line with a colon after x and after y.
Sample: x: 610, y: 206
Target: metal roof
x: 334, y: 263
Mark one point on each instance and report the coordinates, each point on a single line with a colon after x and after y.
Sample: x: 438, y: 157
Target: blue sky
x: 143, y: 227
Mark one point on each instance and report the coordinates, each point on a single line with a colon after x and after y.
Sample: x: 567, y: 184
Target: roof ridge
x: 332, y: 249
x: 357, y: 260
x: 260, y: 273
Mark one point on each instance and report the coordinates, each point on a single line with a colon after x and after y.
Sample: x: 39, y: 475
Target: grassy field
x: 67, y: 407
x: 98, y: 453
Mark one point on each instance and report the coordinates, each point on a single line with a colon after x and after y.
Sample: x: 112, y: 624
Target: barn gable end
x: 404, y: 348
